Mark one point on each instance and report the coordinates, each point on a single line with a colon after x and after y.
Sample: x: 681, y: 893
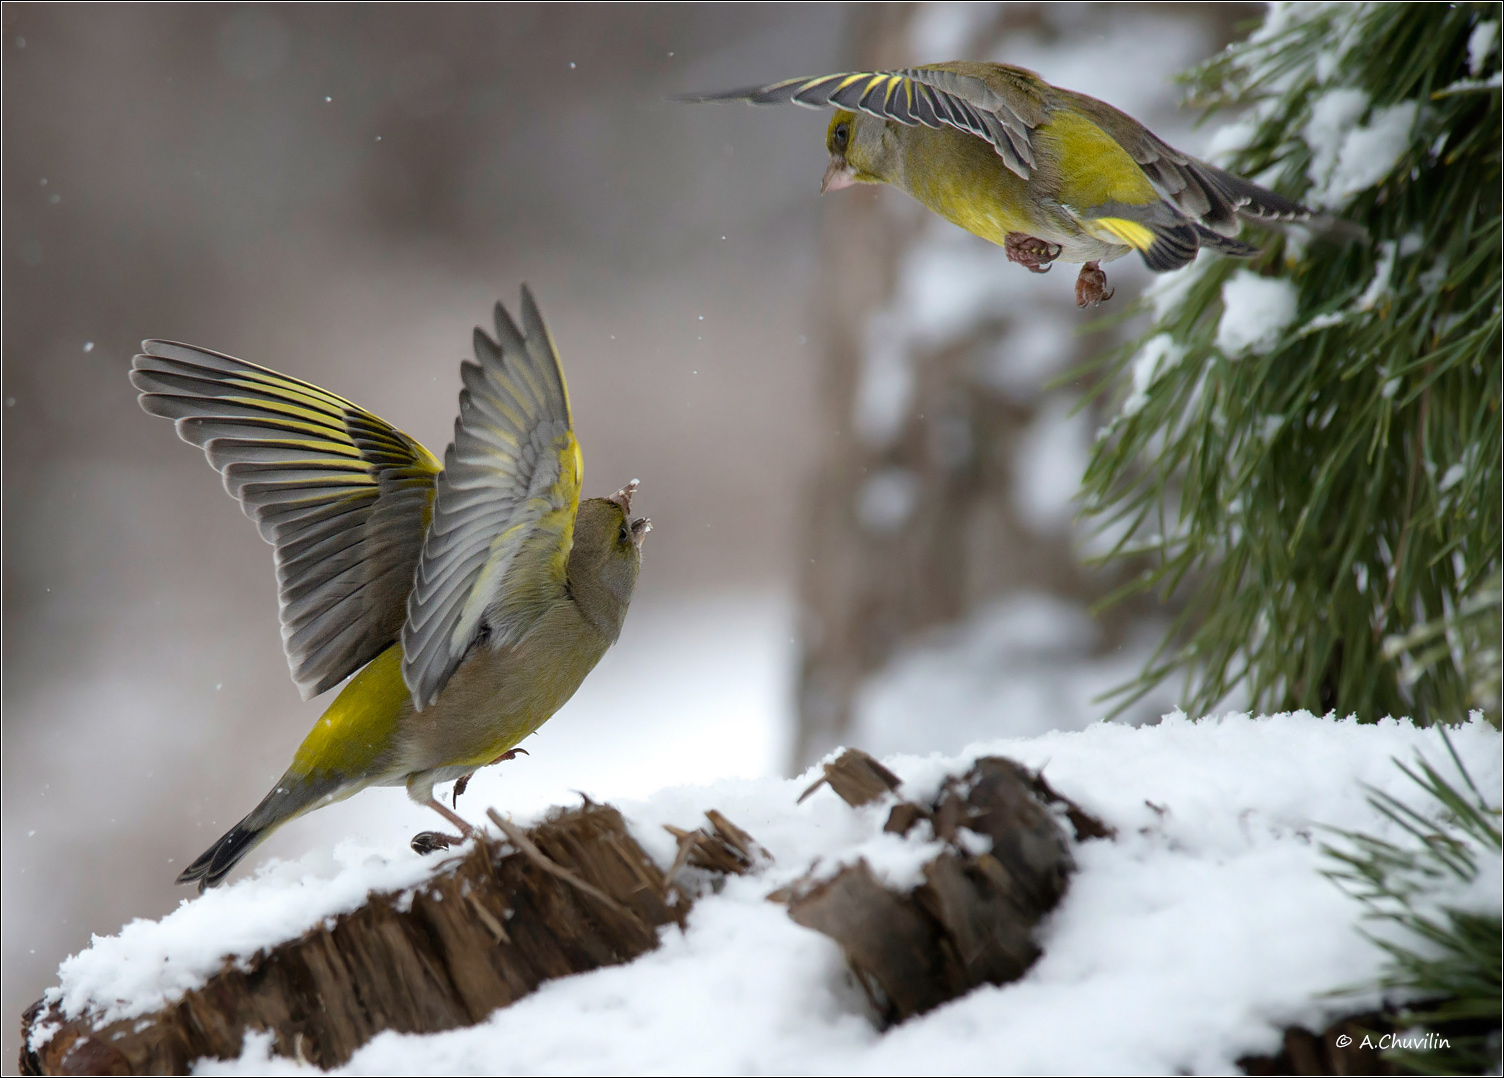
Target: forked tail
x: 289, y: 799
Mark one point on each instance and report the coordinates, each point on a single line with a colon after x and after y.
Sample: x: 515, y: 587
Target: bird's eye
x: 624, y: 534
x: 843, y: 132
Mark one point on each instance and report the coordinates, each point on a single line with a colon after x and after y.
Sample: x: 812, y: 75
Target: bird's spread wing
x: 999, y: 104
x: 495, y: 554
x: 1202, y: 192
x: 342, y: 495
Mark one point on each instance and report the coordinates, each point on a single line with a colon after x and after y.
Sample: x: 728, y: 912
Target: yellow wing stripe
x: 1139, y: 237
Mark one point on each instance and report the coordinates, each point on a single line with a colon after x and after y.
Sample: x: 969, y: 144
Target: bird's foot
x: 426, y: 842
x: 1030, y: 252
x: 1091, y: 286
x: 429, y: 841
x: 464, y: 780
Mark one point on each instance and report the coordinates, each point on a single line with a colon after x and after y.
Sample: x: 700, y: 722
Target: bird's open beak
x: 623, y: 497
x: 838, y: 174
x: 639, y: 527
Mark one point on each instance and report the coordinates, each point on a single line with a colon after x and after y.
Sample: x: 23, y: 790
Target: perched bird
x: 472, y: 598
x: 1045, y: 173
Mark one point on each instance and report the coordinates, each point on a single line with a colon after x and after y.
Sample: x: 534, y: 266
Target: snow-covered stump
x: 572, y: 894
x: 1202, y: 936
x: 577, y: 893
x: 971, y: 922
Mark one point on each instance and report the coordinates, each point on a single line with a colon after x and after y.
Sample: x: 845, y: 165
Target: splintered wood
x: 577, y: 892
x: 972, y: 920
x: 572, y: 894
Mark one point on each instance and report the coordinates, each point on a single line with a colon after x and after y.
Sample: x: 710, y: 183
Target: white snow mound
x: 1194, y: 938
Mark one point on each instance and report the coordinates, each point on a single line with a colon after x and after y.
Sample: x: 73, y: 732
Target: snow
x: 1348, y: 157
x: 1191, y: 939
x: 1169, y: 289
x: 1481, y: 44
x: 1383, y: 269
x: 1333, y: 114
x: 152, y: 963
x: 1370, y: 152
x: 1255, y: 312
x: 1462, y: 86
x: 1158, y: 353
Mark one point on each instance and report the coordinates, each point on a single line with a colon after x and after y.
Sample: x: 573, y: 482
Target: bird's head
x: 607, y: 550
x: 859, y: 151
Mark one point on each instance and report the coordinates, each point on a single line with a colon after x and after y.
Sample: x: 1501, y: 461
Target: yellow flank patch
x: 1094, y: 169
x: 360, y: 723
x: 1140, y: 237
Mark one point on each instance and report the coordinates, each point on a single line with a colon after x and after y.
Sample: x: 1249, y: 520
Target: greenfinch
x: 469, y: 600
x: 1046, y: 173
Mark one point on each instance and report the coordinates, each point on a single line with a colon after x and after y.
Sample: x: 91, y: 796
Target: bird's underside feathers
x: 495, y: 555
x: 342, y: 496
x: 1003, y: 105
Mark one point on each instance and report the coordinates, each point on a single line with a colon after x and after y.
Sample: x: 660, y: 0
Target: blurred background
x: 861, y: 487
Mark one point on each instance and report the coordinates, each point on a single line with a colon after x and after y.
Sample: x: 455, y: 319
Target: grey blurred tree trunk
x: 913, y: 517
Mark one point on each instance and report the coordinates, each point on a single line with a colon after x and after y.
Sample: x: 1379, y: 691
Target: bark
x: 1338, y: 1049
x: 577, y: 893
x: 972, y: 920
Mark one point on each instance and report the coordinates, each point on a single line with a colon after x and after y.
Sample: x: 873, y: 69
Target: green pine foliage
x: 1310, y: 451
x: 1442, y: 959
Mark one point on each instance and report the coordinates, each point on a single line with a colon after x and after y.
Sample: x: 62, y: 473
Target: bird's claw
x: 1030, y: 252
x: 426, y: 842
x: 1091, y: 286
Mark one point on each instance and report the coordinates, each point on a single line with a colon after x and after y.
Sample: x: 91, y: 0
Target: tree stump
x: 573, y: 894
x: 577, y: 893
x: 971, y: 922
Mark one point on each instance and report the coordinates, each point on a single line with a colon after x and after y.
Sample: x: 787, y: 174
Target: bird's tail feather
x: 1250, y: 200
x: 1227, y: 245
x: 289, y: 799
x: 216, y: 862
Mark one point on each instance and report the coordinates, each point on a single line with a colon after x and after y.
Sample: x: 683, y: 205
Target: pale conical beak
x: 838, y: 174
x: 623, y: 497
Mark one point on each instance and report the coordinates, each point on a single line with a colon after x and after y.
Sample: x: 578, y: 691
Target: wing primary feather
x: 340, y: 494
x: 491, y: 532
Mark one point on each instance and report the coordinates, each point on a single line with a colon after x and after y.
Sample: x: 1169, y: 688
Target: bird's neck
x: 602, y: 609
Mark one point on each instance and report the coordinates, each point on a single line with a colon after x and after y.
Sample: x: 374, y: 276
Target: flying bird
x: 1047, y: 174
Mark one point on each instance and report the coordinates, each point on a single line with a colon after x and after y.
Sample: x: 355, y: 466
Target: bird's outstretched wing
x: 495, y: 554
x: 342, y: 495
x: 995, y: 102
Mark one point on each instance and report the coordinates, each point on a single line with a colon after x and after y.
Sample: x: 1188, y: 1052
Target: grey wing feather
x: 932, y: 97
x: 503, y: 515
x: 340, y: 494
